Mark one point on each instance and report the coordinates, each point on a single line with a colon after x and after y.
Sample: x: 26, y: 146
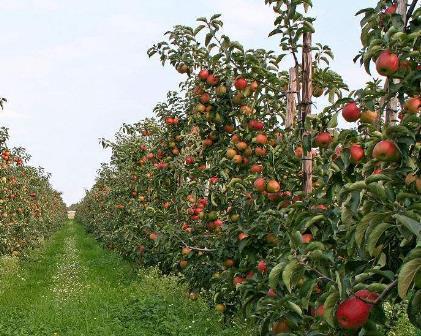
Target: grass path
x: 73, y: 287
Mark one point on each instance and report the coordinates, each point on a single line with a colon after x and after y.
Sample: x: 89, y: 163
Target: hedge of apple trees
x: 30, y: 209
x: 212, y: 187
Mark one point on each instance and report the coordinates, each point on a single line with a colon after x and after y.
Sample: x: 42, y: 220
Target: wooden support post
x: 392, y: 106
x: 307, y: 93
x: 291, y: 100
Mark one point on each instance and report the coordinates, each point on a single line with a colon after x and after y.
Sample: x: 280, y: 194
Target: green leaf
x: 333, y: 123
x: 346, y: 216
x: 414, y: 309
x: 198, y: 29
x: 365, y: 10
x: 360, y: 231
x: 215, y: 16
x: 377, y: 190
x: 376, y: 178
x: 208, y: 38
x: 275, y: 275
x: 356, y: 186
x: 406, y: 276
x: 314, y: 220
x: 329, y: 305
x: 339, y: 282
x: 294, y: 307
x: 375, y: 236
x: 289, y: 272
x: 411, y: 224
x: 308, y: 27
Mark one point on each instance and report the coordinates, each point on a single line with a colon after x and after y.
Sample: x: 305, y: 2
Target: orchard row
x: 263, y: 206
x: 30, y: 210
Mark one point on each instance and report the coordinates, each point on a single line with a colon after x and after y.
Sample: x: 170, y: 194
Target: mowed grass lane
x: 72, y: 286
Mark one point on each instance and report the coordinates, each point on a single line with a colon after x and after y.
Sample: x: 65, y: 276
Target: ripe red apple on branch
x: 260, y: 184
x: 203, y: 74
x: 323, y: 139
x: 413, y: 105
x: 240, y: 83
x: 353, y: 313
x: 357, y: 153
x: 387, y: 63
x: 391, y: 9
x: 386, y: 150
x: 351, y: 112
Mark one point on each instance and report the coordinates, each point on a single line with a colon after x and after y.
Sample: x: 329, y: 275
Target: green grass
x: 72, y: 286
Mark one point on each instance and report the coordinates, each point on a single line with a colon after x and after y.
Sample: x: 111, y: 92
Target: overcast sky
x: 74, y: 71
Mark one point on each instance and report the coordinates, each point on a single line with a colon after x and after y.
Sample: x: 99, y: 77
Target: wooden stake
x: 307, y: 93
x: 392, y: 107
x: 291, y: 100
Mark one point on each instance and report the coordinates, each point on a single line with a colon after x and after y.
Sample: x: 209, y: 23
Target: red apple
x: 319, y: 311
x: 260, y: 184
x: 256, y: 125
x: 387, y: 63
x: 351, y: 112
x: 212, y: 80
x: 214, y: 179
x: 256, y: 168
x: 241, y: 145
x: 238, y: 280
x: 306, y: 238
x: 237, y: 159
x: 353, y: 313
x: 189, y: 160
x: 240, y: 83
x: 204, y: 98
x: 229, y: 128
x: 242, y: 236
x: 273, y: 186
x: 262, y: 267
x: 299, y: 152
x: 271, y: 293
x: 386, y: 150
x: 366, y: 295
x: 323, y: 139
x: 261, y: 139
x: 391, y: 9
x: 357, y: 153
x: 203, y: 74
x: 413, y: 105
x: 260, y: 151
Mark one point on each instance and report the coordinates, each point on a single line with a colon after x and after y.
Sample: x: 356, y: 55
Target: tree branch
x: 410, y: 12
x: 381, y: 297
x: 197, y: 248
